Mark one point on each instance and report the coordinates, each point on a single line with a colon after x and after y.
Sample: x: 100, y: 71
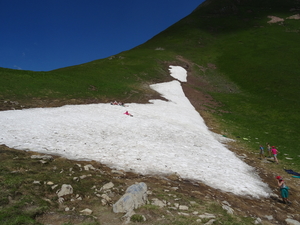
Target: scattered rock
x: 107, y: 186
x: 43, y: 161
x: 207, y: 216
x: 160, y: 203
x: 117, y: 172
x: 43, y: 157
x: 86, y: 212
x: 89, y: 167
x: 183, y: 214
x: 275, y: 19
x: 83, y: 176
x: 210, y: 222
x: 174, y: 177
x: 183, y: 207
x: 54, y: 186
x: 257, y: 221
x: 228, y: 209
x: 226, y: 203
x: 292, y: 222
x: 105, y: 199
x: 269, y: 217
x: 66, y: 189
x: 295, y: 17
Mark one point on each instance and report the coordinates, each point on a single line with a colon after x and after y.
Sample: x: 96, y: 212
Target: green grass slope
x: 253, y: 66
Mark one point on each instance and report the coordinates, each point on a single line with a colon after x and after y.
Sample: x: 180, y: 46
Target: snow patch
x: 162, y: 137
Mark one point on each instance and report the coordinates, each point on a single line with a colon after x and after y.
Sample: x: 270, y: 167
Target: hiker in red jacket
x: 128, y: 114
x: 275, y: 152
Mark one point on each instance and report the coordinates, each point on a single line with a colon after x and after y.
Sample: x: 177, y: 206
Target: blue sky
x: 45, y: 35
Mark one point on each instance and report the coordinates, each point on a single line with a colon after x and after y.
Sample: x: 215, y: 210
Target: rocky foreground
x: 54, y: 190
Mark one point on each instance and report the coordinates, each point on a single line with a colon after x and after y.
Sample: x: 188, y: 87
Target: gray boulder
x: 134, y: 197
x: 292, y: 222
x: 66, y: 189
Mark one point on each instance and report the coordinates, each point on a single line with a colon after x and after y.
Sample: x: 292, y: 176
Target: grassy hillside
x: 253, y: 66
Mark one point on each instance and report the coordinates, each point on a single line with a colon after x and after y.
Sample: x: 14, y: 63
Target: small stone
x: 228, y: 209
x: 44, y: 157
x: 36, y: 182
x: 269, y: 217
x: 106, y: 197
x: 257, y: 221
x: 292, y: 222
x: 66, y: 189
x: 207, y: 216
x: 54, y: 186
x: 158, y: 202
x: 83, y: 176
x: 183, y: 214
x: 103, y: 202
x: 86, y: 212
x: 89, y: 167
x: 183, y: 207
x: 226, y: 203
x: 108, y: 186
x: 117, y: 172
x: 210, y: 222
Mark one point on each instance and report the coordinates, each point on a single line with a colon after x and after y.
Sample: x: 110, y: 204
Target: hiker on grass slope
x: 284, y: 190
x: 275, y: 152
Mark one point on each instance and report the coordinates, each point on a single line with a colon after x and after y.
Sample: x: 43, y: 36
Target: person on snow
x: 284, y: 190
x: 127, y: 113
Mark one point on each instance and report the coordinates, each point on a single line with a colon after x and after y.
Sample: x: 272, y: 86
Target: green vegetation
x: 137, y: 218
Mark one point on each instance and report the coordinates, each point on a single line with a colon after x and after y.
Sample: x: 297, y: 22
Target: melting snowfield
x: 161, y: 137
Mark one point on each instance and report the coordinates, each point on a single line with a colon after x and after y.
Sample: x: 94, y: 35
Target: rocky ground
x: 96, y: 187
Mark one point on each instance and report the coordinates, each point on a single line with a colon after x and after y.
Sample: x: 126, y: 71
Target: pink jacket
x: 274, y: 151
